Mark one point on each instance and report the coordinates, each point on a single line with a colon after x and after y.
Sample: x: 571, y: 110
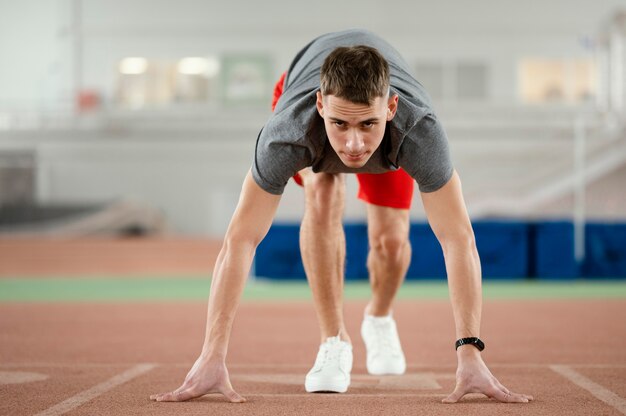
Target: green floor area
x: 197, y: 289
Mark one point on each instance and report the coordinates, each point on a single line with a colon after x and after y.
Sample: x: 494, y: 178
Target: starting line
x: 273, y: 366
x: 426, y: 380
x: 347, y: 395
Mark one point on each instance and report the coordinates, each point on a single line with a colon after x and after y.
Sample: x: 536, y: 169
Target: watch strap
x: 475, y: 341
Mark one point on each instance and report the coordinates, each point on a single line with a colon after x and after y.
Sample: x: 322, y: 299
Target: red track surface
x: 81, y: 257
x: 79, y: 345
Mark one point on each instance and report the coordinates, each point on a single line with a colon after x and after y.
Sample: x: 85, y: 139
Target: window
x: 430, y: 75
x: 146, y: 82
x: 454, y: 81
x: 557, y: 80
x: 471, y: 81
x: 247, y: 79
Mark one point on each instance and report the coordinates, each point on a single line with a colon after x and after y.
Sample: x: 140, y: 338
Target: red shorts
x: 392, y: 189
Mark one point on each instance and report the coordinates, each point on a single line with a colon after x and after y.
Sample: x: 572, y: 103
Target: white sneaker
x: 331, y: 371
x: 384, y: 352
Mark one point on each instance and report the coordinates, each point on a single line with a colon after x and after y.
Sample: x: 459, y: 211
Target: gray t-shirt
x: 295, y: 137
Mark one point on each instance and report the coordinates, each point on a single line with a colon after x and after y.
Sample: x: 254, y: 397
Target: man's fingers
x: 172, y: 396
x: 528, y: 397
x: 177, y: 396
x: 506, y: 396
x: 232, y: 395
x: 164, y: 397
x: 160, y: 395
x: 497, y: 393
x: 181, y: 395
x: 503, y: 388
x: 455, y: 396
x: 185, y: 395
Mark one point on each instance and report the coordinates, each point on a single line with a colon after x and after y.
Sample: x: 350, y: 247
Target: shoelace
x: 385, y: 338
x: 332, y: 352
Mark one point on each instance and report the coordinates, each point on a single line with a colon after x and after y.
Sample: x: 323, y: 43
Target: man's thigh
x: 322, y: 190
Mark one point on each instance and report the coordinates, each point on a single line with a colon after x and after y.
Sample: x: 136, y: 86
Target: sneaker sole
x: 388, y: 371
x: 325, y: 386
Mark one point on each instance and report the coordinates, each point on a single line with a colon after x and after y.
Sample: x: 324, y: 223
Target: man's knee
x: 389, y: 244
x: 324, y: 193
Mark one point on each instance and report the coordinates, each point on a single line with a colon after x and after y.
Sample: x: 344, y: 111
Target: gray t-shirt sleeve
x: 425, y: 154
x: 276, y: 161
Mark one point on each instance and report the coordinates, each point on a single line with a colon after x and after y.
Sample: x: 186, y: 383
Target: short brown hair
x: 357, y: 73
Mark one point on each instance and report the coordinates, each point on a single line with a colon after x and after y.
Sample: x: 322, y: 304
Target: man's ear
x: 392, y: 107
x: 319, y: 104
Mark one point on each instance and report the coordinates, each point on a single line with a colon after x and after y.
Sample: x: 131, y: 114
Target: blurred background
x: 127, y: 127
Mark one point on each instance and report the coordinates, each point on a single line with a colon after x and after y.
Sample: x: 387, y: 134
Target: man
x: 350, y: 105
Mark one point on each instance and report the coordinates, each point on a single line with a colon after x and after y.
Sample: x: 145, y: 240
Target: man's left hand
x: 473, y: 376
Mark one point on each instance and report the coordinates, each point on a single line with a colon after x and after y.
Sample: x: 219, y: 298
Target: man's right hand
x: 249, y: 225
x: 206, y: 376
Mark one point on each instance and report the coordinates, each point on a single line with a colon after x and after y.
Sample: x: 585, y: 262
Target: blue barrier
x: 503, y: 248
x: 507, y: 249
x: 356, y: 251
x: 605, y: 248
x: 278, y: 255
x: 426, y: 255
x: 552, y: 251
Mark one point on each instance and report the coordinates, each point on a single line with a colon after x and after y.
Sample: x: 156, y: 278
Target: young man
x: 350, y: 105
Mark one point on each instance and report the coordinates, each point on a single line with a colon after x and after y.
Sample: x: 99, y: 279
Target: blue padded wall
x: 426, y: 255
x: 553, y: 250
x: 278, y: 255
x: 356, y: 251
x: 605, y: 248
x: 503, y: 248
x: 507, y: 249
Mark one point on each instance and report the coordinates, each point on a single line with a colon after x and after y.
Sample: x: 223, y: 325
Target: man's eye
x: 368, y: 124
x: 339, y: 123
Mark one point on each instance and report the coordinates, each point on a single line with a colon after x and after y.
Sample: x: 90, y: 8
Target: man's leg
x: 322, y: 243
x: 389, y: 256
x: 323, y: 247
x: 388, y: 198
x: 388, y: 261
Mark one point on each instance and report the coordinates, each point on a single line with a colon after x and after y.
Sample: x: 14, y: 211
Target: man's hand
x: 205, y: 377
x: 473, y: 376
x: 249, y: 225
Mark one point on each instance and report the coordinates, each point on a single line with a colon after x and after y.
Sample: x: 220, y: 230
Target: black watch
x: 472, y: 340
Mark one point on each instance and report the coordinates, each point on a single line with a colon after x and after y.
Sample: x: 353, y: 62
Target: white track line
x: 71, y: 365
x: 343, y: 395
x: 600, y: 392
x: 97, y: 390
x: 253, y: 366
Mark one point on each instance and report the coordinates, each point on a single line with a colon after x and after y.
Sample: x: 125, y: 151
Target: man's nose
x: 355, y: 143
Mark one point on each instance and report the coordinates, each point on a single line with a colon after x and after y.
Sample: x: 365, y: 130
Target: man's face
x: 355, y: 130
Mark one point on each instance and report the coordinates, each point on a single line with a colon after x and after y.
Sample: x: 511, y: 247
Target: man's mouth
x: 355, y: 157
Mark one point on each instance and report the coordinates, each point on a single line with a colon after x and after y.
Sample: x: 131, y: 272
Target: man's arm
x: 248, y: 226
x: 447, y: 215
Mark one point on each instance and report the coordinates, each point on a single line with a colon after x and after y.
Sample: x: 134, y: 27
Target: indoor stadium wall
x: 188, y: 161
